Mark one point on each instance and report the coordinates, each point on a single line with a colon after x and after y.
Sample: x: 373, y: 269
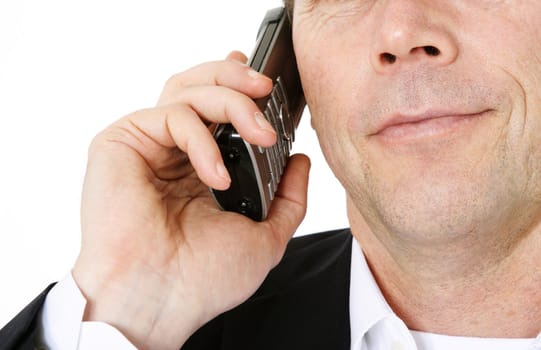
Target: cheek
x: 331, y: 74
x: 511, y: 47
x: 332, y: 81
x: 331, y: 110
x: 327, y: 97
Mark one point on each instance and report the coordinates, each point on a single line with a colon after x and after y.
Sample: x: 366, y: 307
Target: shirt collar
x: 367, y: 305
x: 369, y: 310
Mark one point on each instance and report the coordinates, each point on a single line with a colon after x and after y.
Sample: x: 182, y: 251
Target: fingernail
x: 222, y: 172
x: 256, y: 75
x: 263, y: 123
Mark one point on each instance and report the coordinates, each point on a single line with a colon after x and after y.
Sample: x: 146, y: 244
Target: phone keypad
x: 277, y: 114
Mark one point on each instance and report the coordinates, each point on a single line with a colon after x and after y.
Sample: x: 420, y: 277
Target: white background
x: 68, y: 68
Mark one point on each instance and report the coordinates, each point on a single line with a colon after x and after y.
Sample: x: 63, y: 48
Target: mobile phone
x: 256, y: 171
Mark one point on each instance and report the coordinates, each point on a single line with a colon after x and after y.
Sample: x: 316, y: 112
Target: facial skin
x: 429, y: 113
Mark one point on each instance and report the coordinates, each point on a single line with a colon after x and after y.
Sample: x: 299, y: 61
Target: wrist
x: 137, y: 302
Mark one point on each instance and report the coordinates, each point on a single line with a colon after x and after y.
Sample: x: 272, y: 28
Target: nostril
x: 431, y: 50
x: 388, y: 58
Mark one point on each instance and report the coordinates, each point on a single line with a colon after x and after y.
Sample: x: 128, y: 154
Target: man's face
x: 428, y: 111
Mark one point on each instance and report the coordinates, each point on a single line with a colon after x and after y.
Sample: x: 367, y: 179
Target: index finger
x: 227, y: 73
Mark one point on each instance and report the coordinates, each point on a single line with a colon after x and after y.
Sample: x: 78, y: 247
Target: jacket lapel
x: 303, y: 304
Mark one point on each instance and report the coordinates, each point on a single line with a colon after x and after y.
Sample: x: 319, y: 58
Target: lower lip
x: 428, y: 128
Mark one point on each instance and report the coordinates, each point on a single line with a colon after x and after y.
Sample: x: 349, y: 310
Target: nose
x: 409, y: 32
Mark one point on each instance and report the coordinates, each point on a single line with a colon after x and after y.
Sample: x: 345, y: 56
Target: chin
x: 439, y: 209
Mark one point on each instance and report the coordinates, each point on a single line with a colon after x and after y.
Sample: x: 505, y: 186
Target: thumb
x: 289, y: 206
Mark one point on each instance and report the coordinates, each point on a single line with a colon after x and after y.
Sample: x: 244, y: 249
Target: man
x: 428, y: 113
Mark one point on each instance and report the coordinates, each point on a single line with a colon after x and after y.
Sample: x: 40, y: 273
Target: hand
x: 158, y: 258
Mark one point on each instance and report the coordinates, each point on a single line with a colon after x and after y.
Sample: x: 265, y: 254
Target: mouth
x: 431, y: 124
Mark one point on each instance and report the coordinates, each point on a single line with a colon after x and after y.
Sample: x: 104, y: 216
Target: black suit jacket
x: 303, y: 304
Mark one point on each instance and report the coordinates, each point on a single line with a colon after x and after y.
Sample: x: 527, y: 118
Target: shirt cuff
x: 62, y: 326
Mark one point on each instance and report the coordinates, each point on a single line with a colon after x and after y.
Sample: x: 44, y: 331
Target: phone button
x: 271, y: 189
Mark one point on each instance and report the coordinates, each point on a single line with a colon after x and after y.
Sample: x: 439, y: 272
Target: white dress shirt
x: 374, y: 326
x: 62, y: 327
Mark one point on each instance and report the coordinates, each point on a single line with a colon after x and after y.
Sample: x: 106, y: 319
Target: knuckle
x: 97, y: 144
x: 175, y: 81
x: 115, y: 133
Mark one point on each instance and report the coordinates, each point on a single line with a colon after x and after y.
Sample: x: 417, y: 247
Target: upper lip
x: 397, y: 119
